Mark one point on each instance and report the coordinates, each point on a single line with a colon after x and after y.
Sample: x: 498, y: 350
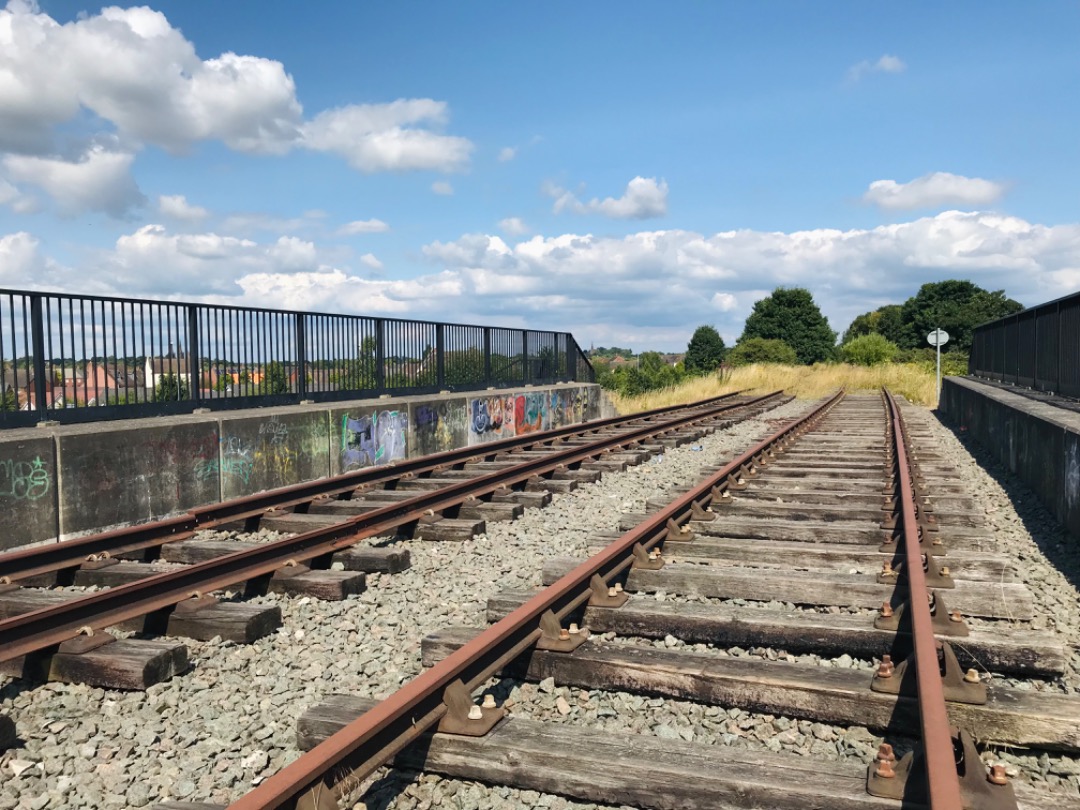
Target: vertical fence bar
x: 380, y: 355
x: 301, y: 356
x: 440, y: 356
x: 194, y: 365
x: 38, y: 338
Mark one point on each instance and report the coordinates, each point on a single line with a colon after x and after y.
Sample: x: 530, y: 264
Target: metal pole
x: 937, y: 331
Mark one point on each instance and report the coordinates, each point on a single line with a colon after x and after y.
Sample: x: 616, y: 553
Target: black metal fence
x: 1038, y: 348
x: 77, y: 358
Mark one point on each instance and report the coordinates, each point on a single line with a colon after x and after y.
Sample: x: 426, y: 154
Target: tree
x: 705, y: 351
x: 275, y: 380
x: 9, y: 401
x: 761, y: 350
x: 791, y: 315
x: 171, y: 388
x: 885, y: 321
x: 955, y: 306
x: 868, y: 350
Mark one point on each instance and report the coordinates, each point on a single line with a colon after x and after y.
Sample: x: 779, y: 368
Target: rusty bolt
x: 612, y: 591
x: 618, y: 587
x: 945, y: 570
x: 887, y: 569
x: 971, y: 676
x: 885, y: 752
x: 476, y: 713
x: 886, y: 610
x: 997, y: 775
x: 564, y: 634
x: 489, y: 701
x: 884, y: 769
x: 956, y: 616
x: 885, y: 668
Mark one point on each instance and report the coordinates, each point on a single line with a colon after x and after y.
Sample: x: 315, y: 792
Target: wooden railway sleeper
x: 980, y: 788
x: 959, y: 686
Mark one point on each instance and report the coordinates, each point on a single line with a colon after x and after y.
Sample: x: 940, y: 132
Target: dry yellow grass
x: 910, y: 380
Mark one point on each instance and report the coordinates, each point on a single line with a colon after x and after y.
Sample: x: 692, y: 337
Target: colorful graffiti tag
x: 373, y: 439
x: 531, y: 412
x: 491, y: 418
x: 439, y: 426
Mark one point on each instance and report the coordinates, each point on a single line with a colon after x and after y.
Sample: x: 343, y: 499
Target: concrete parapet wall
x: 1037, y: 442
x: 68, y: 480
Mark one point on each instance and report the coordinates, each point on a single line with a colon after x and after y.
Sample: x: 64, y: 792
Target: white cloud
x: 442, y: 187
x: 885, y: 64
x: 507, y: 153
x: 176, y: 206
x: 100, y: 180
x: 386, y: 137
x: 130, y: 67
x: 646, y: 289
x: 370, y: 260
x: 247, y: 224
x: 644, y: 198
x: 514, y: 226
x: 933, y: 190
x: 363, y: 226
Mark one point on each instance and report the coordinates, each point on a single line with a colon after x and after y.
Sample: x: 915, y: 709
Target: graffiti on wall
x: 491, y: 418
x: 373, y: 439
x: 236, y: 460
x: 439, y: 426
x: 531, y: 412
x: 24, y: 480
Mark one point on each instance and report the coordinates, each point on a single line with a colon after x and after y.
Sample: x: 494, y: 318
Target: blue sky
x: 625, y: 171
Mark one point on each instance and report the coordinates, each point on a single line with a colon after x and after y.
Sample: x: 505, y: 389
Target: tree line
x: 788, y: 327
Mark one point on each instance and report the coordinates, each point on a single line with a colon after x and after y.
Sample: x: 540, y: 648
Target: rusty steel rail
x: 376, y: 736
x: 54, y: 557
x: 943, y: 782
x: 44, y: 628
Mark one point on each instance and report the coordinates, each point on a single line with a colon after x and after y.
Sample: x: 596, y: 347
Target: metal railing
x: 1038, y: 348
x: 78, y: 358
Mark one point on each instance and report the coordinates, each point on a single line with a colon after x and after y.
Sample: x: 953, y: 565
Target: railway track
x: 798, y: 547
x: 58, y: 633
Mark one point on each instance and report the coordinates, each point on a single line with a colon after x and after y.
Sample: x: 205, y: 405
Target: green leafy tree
x: 868, y: 350
x: 955, y: 306
x: 791, y: 315
x: 171, y: 388
x: 275, y: 380
x: 9, y: 401
x: 705, y: 351
x: 762, y: 350
x: 886, y: 321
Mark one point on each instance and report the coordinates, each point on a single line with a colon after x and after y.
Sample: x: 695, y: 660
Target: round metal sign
x: 939, y: 337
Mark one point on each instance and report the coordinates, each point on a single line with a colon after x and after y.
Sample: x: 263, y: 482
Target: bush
x: 868, y: 350
x: 761, y: 350
x: 650, y: 374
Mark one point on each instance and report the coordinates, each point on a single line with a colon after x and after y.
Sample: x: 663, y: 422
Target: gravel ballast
x: 213, y: 733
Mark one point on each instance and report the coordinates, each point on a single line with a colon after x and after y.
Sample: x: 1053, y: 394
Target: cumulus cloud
x: 933, y: 191
x: 389, y: 137
x: 176, y: 206
x: 443, y: 188
x: 644, y: 198
x: 885, y: 64
x: 648, y: 288
x: 100, y: 180
x: 370, y: 260
x: 507, y: 153
x: 363, y: 226
x: 130, y: 67
x: 514, y: 226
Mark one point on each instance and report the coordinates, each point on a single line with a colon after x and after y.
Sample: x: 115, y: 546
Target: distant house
x: 69, y: 388
x: 158, y: 367
x: 673, y: 359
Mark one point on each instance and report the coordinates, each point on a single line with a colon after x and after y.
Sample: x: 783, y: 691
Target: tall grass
x: 805, y: 382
